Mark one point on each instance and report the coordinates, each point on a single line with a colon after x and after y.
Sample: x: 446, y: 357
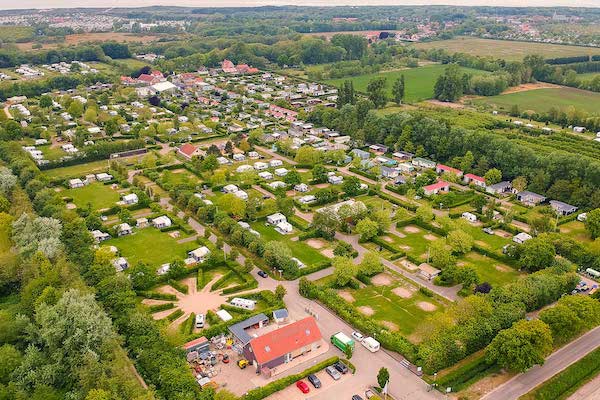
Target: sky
x: 23, y: 4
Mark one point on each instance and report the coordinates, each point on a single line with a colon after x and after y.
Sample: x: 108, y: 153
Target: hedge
x: 466, y: 374
x: 178, y: 285
x: 173, y: 316
x: 160, y: 307
x: 563, y: 384
x: 313, y: 268
x: 391, y: 188
x: 243, y: 286
x: 188, y: 326
x: 221, y: 281
x: 363, y: 173
x: 280, y: 384
x: 200, y: 280
x: 158, y: 296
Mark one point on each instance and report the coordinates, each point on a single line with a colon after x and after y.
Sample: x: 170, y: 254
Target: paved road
x: 589, y: 391
x: 556, y: 362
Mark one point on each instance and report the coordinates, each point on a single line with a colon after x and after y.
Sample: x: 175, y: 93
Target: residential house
x: 562, y: 208
x: 130, y: 198
x: 161, y: 222
x: 499, y: 188
x: 475, y: 180
x: 530, y: 198
x: 200, y: 254
x: 188, y: 151
x: 436, y: 188
x: 441, y: 168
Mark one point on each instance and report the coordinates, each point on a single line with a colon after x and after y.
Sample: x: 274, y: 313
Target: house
x: 301, y: 187
x: 231, y: 188
x: 241, y: 195
x: 161, y: 222
x: 387, y: 172
x: 469, y: 216
x: 423, y: 163
x: 562, y: 208
x: 259, y: 165
x: 405, y: 167
x: 284, y: 228
x: 283, y: 345
x: 104, y: 177
x: 275, y: 163
x: 281, y: 316
x: 100, y: 236
x: 276, y: 218
x: 75, y: 183
x: 335, y: 179
x: 530, y: 198
x: 307, y: 199
x: 499, y: 188
x: 200, y: 345
x: 436, y: 188
x: 266, y: 175
x: 402, y: 155
x: 141, y: 223
x: 188, y: 151
x: 124, y: 229
x: 120, y: 264
x: 521, y: 237
x: 441, y: 168
x: 130, y: 198
x: 475, y: 180
x: 378, y: 148
x: 281, y: 172
x: 363, y: 155
x: 200, y: 254
x: 238, y: 331
x: 428, y: 272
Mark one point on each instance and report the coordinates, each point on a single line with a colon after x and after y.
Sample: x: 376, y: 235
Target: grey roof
x: 500, y: 185
x: 239, y: 330
x: 559, y: 205
x: 526, y: 193
x: 280, y: 314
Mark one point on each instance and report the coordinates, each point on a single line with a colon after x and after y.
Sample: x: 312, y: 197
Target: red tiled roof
x: 188, y: 149
x: 146, y: 78
x: 435, y: 186
x: 285, y: 340
x: 475, y: 177
x: 448, y: 169
x: 195, y: 342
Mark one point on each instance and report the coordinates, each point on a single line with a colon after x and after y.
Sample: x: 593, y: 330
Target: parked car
x: 356, y: 397
x: 312, y: 378
x: 263, y: 274
x: 242, y: 363
x: 489, y: 231
x: 302, y: 386
x: 357, y: 336
x: 333, y: 373
x: 340, y: 366
x: 369, y: 393
x: 200, y: 321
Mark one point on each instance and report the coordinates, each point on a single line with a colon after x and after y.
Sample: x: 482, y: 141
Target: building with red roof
x: 436, y: 188
x: 475, y: 180
x: 284, y: 344
x: 441, y: 168
x: 188, y: 151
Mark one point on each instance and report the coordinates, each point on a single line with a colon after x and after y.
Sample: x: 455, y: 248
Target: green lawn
x: 415, y: 243
x: 588, y: 76
x: 490, y: 242
x: 576, y: 230
x: 405, y: 313
x: 100, y: 196
x: 488, y: 269
x: 302, y: 251
x: 506, y: 49
x: 78, y: 171
x: 541, y: 100
x: 151, y: 246
x: 419, y: 81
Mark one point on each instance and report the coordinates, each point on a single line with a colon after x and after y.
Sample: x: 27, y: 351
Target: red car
x: 302, y: 386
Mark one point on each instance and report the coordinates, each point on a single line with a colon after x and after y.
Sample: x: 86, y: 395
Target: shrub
x: 173, y: 316
x: 160, y: 307
x: 178, y: 285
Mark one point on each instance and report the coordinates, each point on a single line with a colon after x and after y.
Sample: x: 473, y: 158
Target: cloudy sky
x: 9, y: 4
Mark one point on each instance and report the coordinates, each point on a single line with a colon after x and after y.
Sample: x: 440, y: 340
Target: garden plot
x: 393, y: 302
x: 151, y: 246
x: 97, y: 195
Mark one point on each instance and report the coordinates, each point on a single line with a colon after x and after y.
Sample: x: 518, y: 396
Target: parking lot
x: 328, y: 385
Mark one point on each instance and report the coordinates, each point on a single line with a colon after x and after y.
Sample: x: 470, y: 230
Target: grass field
x: 100, y: 196
x: 488, y: 269
x: 541, y: 100
x: 419, y: 81
x: 588, y: 76
x: 151, y: 246
x: 506, y: 49
x: 10, y: 33
x: 78, y: 170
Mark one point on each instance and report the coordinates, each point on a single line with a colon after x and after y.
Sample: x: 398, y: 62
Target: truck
x: 342, y: 342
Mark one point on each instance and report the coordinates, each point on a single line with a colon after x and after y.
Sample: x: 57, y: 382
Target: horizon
x: 72, y: 4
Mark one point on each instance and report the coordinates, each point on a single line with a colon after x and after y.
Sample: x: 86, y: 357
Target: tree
x: 460, y: 241
x: 398, y: 90
x: 351, y: 186
x: 383, y: 219
x: 90, y: 115
x: 37, y: 234
x: 371, y: 264
x: 493, y: 176
x: 279, y: 256
x: 424, y: 213
x: 519, y: 183
x: 45, y: 101
x: 319, y: 174
x: 449, y: 85
x: 383, y: 377
x: 367, y: 229
x: 308, y: 155
x: 344, y: 270
x: 592, y: 223
x: 325, y: 223
x: 7, y: 181
x: 520, y: 347
x: 292, y: 178
x: 441, y: 257
x: 348, y: 352
x: 343, y: 249
x: 376, y: 92
x: 143, y: 276
x: 536, y: 254
x: 75, y: 109
x: 563, y: 322
x: 10, y: 359
x: 280, y: 292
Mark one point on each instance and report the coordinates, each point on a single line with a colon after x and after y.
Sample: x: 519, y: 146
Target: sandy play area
x: 411, y: 229
x: 316, y: 243
x: 430, y: 237
x: 344, y: 294
x: 366, y: 310
x: 426, y: 306
x: 390, y: 325
x: 402, y: 292
x: 382, y: 279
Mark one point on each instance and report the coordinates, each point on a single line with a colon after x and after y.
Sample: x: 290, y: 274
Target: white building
x: 161, y: 222
x: 130, y: 198
x: 276, y: 218
x: 200, y: 254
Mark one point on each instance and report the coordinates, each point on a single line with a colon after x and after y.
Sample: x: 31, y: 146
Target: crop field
x: 506, y: 49
x: 151, y: 246
x: 541, y: 100
x: 419, y: 81
x: 12, y: 33
x: 98, y: 195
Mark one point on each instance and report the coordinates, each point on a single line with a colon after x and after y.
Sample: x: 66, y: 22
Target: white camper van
x: 371, y: 344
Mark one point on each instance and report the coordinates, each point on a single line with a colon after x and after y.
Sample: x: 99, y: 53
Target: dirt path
x: 7, y: 112
x: 525, y: 87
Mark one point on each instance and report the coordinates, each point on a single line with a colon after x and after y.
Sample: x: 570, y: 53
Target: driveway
x: 556, y: 362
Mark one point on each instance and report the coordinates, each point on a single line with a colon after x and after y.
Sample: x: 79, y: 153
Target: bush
x: 178, y: 285
x: 158, y: 296
x: 188, y: 326
x: 466, y: 374
x: 427, y: 292
x: 173, y: 316
x: 160, y: 307
x: 221, y: 281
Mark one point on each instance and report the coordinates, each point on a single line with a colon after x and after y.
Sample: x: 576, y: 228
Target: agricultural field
x: 541, y: 100
x: 151, y: 246
x: 14, y: 33
x: 97, y: 195
x: 419, y: 81
x: 506, y: 49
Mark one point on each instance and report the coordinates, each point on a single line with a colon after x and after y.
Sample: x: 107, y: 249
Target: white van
x: 371, y: 344
x: 200, y: 321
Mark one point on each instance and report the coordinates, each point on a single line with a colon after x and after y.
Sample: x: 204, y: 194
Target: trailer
x: 342, y: 342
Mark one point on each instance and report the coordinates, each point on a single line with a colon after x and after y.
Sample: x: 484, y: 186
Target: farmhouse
x: 282, y: 345
x: 530, y: 198
x: 475, y: 180
x: 161, y: 222
x: 436, y: 188
x: 562, y: 208
x: 441, y: 168
x: 200, y: 254
x: 499, y: 188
